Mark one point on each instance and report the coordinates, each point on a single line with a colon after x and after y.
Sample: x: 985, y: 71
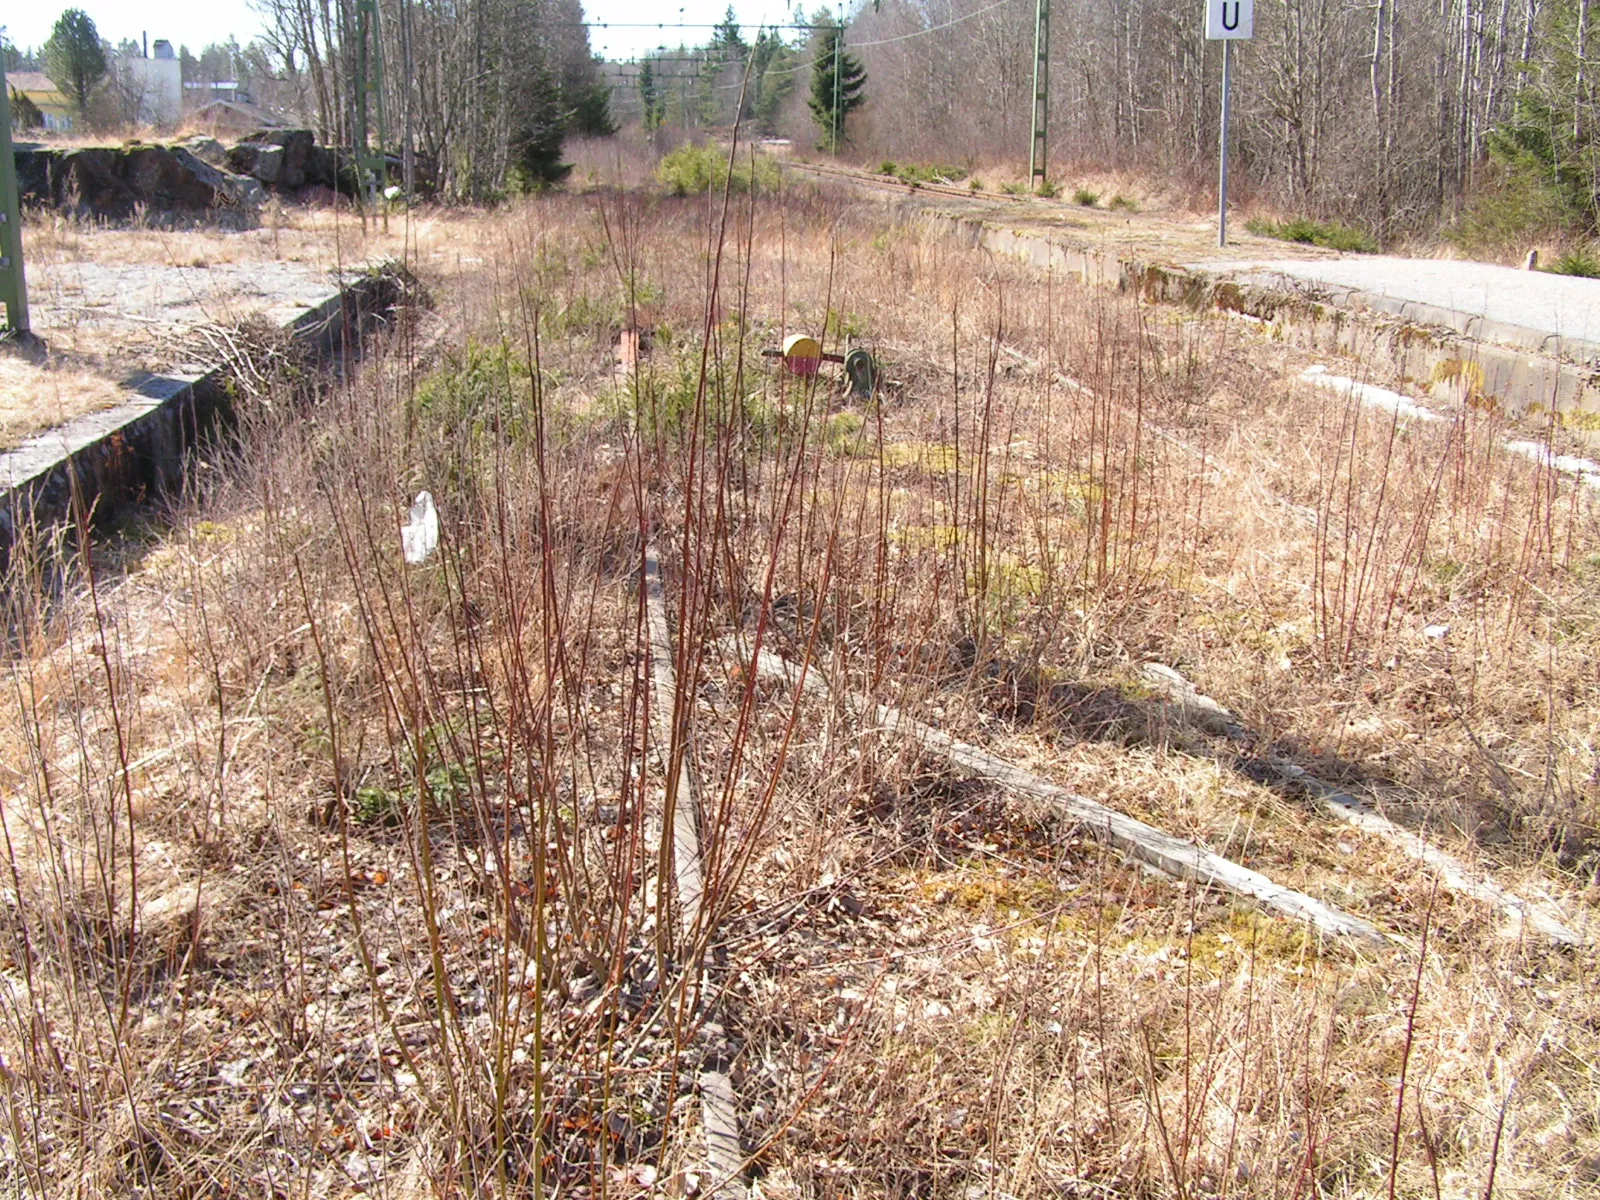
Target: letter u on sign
x: 1229, y: 19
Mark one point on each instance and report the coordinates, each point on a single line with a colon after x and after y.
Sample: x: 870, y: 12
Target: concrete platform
x: 1557, y: 315
x: 1494, y: 337
x: 143, y: 306
x: 105, y: 462
x: 1457, y: 332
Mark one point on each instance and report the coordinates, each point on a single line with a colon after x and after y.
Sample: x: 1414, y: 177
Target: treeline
x: 737, y: 73
x: 479, y: 94
x: 1400, y: 115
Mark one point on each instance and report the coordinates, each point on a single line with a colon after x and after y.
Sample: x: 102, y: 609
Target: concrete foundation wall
x: 102, y: 465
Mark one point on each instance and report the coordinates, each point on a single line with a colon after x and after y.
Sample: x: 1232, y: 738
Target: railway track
x: 887, y: 183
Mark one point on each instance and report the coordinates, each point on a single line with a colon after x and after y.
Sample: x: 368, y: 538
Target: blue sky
x: 196, y: 23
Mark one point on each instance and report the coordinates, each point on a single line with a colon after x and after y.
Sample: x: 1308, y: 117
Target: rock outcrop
x: 158, y: 184
x: 287, y: 160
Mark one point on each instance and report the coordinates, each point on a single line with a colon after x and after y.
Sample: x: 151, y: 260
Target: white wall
x: 160, y: 88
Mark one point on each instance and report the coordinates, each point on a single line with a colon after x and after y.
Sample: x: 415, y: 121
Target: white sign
x: 1229, y: 20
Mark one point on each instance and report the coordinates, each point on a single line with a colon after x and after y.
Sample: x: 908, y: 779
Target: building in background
x: 150, y: 85
x: 229, y: 117
x: 52, y: 103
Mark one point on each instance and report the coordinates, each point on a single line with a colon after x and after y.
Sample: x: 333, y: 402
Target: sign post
x: 13, y: 284
x: 1227, y: 21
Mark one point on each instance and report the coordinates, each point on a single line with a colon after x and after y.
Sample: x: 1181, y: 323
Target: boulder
x: 86, y: 182
x: 207, y: 149
x: 242, y: 158
x: 299, y: 145
x: 268, y: 166
x: 175, y: 181
x: 323, y: 168
x: 33, y: 174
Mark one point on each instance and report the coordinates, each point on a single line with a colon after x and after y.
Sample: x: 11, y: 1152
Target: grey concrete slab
x: 140, y: 448
x: 1532, y: 310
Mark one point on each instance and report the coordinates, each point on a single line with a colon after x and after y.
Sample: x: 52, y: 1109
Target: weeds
x: 1085, y: 197
x: 1327, y: 234
x: 690, y: 170
x: 324, y: 870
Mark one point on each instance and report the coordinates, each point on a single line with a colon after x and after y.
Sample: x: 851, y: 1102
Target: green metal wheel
x: 861, y: 371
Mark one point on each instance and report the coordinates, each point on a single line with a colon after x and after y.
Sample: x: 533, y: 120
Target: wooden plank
x: 1352, y: 810
x: 1133, y: 837
x: 718, y: 1108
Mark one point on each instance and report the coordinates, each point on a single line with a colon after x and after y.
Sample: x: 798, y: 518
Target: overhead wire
x: 901, y: 37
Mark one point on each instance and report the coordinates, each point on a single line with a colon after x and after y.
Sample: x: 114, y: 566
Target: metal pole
x: 13, y: 283
x: 1038, y: 144
x: 380, y: 158
x: 369, y: 90
x: 408, y: 162
x: 838, y: 53
x: 1222, y: 170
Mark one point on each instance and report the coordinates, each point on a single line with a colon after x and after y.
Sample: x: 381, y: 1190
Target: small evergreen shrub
x: 1304, y: 230
x: 1581, y: 262
x: 932, y: 173
x: 690, y: 170
x: 1085, y: 197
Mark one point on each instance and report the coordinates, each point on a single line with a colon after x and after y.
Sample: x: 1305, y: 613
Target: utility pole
x: 408, y: 153
x: 1037, y: 147
x: 372, y: 166
x: 13, y: 283
x: 838, y: 61
x: 1222, y: 144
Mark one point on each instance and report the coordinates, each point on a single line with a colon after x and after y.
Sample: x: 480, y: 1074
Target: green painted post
x: 372, y: 165
x: 13, y: 283
x: 1037, y: 145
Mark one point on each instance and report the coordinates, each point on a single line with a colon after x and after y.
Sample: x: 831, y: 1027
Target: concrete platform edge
x: 1512, y: 370
x: 118, y: 459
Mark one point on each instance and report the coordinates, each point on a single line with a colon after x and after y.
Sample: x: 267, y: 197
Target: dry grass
x: 329, y: 875
x: 34, y: 398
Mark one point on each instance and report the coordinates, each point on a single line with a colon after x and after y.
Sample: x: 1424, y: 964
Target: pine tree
x: 588, y: 96
x: 541, y: 129
x: 648, y: 97
x: 837, y: 80
x: 772, y: 75
x: 727, y: 45
x: 74, y: 59
x: 1550, y: 147
x: 25, y: 113
x: 727, y: 49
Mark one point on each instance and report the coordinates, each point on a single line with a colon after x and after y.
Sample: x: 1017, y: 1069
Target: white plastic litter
x: 1374, y: 397
x: 419, y: 536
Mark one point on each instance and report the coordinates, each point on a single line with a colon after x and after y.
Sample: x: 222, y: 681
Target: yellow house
x: 58, y: 111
